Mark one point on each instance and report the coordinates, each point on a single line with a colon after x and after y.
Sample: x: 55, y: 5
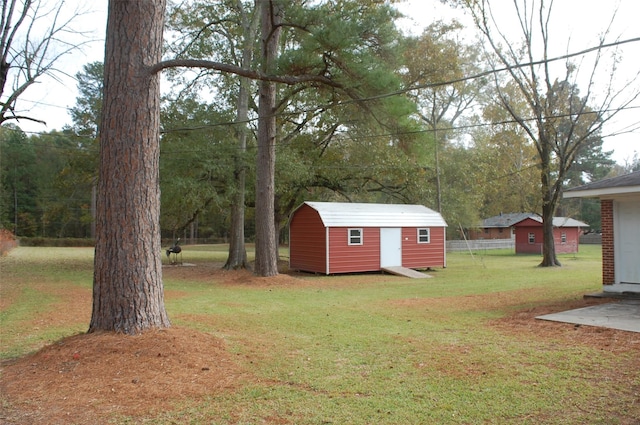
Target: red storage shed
x: 566, y: 235
x: 335, y: 237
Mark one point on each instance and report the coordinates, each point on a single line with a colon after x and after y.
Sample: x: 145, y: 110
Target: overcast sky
x: 577, y: 24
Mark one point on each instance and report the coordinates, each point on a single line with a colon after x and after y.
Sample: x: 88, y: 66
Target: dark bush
x: 57, y: 242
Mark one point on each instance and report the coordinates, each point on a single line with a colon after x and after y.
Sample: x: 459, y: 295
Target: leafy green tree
x: 64, y: 194
x: 227, y: 32
x: 330, y: 48
x: 86, y: 113
x: 509, y: 176
x: 320, y: 62
x: 462, y: 175
x: 437, y: 63
x: 507, y: 159
x: 195, y: 167
x: 82, y: 169
x: 39, y: 198
x: 19, y: 183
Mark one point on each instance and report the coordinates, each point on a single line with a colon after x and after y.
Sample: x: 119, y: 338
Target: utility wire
x: 414, y: 88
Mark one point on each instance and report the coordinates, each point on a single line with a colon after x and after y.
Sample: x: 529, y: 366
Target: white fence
x: 480, y: 244
x: 591, y: 238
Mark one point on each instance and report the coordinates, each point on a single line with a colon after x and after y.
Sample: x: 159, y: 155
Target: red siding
x: 572, y: 235
x: 307, y: 247
x: 522, y: 240
x: 423, y: 255
x: 345, y: 258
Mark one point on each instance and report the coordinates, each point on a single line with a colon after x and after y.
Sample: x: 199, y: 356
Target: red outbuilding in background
x: 566, y: 234
x: 335, y: 237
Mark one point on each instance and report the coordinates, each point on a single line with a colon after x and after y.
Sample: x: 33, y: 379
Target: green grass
x: 34, y: 283
x: 348, y: 349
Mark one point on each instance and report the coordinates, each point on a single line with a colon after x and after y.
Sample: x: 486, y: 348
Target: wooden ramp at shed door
x: 403, y: 271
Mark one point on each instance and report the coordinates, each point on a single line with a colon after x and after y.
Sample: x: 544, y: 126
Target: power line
x: 354, y: 138
x: 404, y: 91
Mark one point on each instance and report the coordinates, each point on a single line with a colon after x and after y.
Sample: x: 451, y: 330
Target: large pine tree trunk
x: 266, y: 248
x: 127, y: 288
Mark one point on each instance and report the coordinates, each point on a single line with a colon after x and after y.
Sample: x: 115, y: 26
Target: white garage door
x: 627, y: 242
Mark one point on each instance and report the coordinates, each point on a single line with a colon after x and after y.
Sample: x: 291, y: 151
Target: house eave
x: 599, y: 193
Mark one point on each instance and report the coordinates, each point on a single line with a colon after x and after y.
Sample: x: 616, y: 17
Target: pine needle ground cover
x: 461, y: 347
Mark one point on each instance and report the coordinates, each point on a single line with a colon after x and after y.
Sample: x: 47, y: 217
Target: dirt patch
x: 84, y: 378
x: 213, y: 272
x: 523, y: 322
x: 88, y: 377
x: 525, y: 325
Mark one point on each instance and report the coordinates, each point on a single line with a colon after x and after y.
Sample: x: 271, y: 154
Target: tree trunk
x: 549, y: 258
x: 266, y: 249
x: 237, y: 258
x: 434, y: 120
x: 127, y: 285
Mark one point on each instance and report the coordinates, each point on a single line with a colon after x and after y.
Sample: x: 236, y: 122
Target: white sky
x: 577, y: 25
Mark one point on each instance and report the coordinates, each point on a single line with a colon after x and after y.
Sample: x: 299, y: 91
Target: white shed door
x: 390, y: 246
x: 627, y: 242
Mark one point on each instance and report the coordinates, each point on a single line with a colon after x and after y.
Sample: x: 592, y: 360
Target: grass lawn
x: 460, y: 348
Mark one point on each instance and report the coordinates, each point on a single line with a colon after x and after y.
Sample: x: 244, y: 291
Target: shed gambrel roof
x: 351, y: 214
x: 628, y: 183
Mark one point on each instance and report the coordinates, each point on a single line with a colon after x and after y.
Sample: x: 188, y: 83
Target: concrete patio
x: 623, y: 314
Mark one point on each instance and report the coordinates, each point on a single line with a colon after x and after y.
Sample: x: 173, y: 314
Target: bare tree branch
x: 32, y: 40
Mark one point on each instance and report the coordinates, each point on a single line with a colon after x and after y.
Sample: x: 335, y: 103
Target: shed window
x: 563, y: 237
x: 355, y: 236
x: 423, y: 235
x: 532, y: 237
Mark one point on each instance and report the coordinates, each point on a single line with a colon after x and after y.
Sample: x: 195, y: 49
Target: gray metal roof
x: 350, y: 214
x: 628, y: 183
x: 568, y: 222
x: 505, y: 220
x: 561, y: 221
x: 508, y: 220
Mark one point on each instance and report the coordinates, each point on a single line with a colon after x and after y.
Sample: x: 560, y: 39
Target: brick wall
x: 608, y: 262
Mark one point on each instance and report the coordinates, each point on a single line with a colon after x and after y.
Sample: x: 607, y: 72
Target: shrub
x: 58, y: 242
x: 7, y: 242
